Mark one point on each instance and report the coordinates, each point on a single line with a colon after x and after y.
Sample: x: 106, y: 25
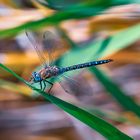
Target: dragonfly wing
x: 52, y: 44
x: 38, y: 46
x: 76, y: 85
x: 68, y: 84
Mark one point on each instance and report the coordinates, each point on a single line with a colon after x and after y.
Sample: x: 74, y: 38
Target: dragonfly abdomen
x: 84, y: 65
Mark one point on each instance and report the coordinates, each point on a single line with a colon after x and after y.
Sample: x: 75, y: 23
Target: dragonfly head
x: 35, y: 77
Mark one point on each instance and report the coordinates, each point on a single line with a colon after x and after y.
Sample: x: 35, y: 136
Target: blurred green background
x: 105, y: 98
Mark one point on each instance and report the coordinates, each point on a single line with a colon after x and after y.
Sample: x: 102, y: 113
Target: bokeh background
x: 87, y: 30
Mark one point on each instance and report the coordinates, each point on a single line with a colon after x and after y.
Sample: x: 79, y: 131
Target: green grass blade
x: 114, y: 44
x: 111, y: 115
x: 104, y: 128
x: 80, y: 12
x: 64, y: 5
x: 83, y: 12
x: 116, y: 92
x: 111, y: 43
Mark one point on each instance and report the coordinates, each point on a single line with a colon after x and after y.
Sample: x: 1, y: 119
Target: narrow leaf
x: 108, y: 46
x: 104, y: 128
x: 116, y: 92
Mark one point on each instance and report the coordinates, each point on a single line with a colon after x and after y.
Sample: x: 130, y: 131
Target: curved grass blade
x: 78, y: 12
x: 64, y: 5
x: 124, y: 100
x: 59, y: 5
x: 108, y: 114
x: 114, y: 44
x: 50, y: 21
x: 109, y: 46
x: 104, y: 128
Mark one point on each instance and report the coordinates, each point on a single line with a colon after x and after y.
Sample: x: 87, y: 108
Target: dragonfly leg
x: 40, y: 85
x: 50, y: 84
x: 50, y: 89
x: 44, y: 85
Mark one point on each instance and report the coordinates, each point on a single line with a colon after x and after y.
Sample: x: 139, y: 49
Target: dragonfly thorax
x: 49, y: 71
x: 44, y: 73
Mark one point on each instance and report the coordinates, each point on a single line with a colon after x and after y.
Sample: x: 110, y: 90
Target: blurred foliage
x: 126, y: 102
x: 64, y: 5
x: 78, y: 11
x: 107, y: 46
x: 15, y: 87
x: 104, y: 128
x: 102, y: 48
x: 8, y: 3
x: 97, y: 14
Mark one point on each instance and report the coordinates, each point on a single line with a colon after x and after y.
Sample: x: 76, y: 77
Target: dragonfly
x: 47, y: 71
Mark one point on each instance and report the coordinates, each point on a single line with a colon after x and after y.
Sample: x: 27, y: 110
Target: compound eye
x: 36, y: 77
x: 34, y: 74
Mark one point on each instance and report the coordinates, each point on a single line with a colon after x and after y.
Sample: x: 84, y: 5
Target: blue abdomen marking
x: 84, y: 65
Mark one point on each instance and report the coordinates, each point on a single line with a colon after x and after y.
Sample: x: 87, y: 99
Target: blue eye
x: 36, y: 76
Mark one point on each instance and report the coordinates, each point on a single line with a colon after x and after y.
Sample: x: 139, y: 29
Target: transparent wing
x: 74, y: 85
x: 68, y: 84
x: 52, y: 44
x: 38, y: 46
